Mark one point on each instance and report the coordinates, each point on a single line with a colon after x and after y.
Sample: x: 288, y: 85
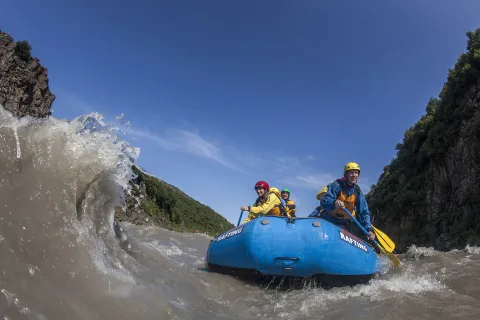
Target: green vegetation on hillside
x: 23, y: 50
x: 423, y: 173
x: 173, y: 209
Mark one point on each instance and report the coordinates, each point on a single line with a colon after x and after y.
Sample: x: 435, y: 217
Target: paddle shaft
x: 361, y: 228
x: 240, y: 218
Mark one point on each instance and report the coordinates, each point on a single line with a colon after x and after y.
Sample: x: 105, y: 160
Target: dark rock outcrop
x: 429, y: 195
x: 23, y: 81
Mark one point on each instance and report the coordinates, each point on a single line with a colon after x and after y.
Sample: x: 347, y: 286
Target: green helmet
x: 286, y: 190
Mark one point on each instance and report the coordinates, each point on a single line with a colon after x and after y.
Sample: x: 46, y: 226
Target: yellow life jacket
x: 290, y: 207
x: 277, y: 210
x: 351, y: 202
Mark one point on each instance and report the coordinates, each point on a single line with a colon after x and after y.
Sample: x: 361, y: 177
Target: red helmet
x: 262, y: 184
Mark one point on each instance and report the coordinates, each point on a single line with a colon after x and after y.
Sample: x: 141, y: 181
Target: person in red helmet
x: 268, y: 203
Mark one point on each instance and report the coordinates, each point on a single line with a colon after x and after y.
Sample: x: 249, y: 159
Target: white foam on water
x: 417, y: 252
x: 19, y: 307
x: 75, y: 153
x: 383, y: 287
x: 175, y: 240
x: 472, y: 250
x: 165, y: 250
x: 190, y: 249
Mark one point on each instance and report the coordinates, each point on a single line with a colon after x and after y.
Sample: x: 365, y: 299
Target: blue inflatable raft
x: 301, y: 247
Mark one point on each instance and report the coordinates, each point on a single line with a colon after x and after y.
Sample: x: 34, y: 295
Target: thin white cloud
x: 230, y: 155
x: 310, y: 181
x: 319, y: 180
x: 161, y: 142
x: 190, y: 142
x: 183, y: 140
x: 286, y: 163
x: 194, y: 143
x: 290, y: 163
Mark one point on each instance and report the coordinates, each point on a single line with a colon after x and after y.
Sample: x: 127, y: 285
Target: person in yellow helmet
x: 346, y: 193
x: 268, y: 203
x: 275, y: 190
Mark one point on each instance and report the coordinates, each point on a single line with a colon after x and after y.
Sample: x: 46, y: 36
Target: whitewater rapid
x: 63, y: 256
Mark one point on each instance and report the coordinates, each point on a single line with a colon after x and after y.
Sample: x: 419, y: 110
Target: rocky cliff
x: 24, y: 91
x: 23, y: 81
x: 429, y: 195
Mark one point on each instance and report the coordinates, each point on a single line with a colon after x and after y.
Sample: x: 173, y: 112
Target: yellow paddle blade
x: 384, y: 240
x: 394, y: 259
x: 390, y: 255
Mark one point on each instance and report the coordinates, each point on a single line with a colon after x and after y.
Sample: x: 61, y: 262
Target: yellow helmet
x: 351, y: 166
x: 275, y: 190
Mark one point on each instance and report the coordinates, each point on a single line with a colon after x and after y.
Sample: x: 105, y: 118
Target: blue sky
x: 220, y: 94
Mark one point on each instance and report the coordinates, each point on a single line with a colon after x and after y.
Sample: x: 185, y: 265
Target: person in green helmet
x: 289, y: 203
